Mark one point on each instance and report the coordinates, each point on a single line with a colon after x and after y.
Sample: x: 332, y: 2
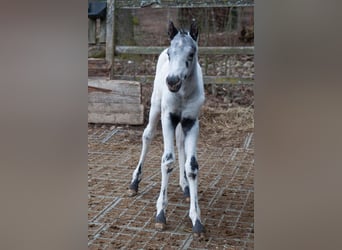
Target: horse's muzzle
x: 174, y: 83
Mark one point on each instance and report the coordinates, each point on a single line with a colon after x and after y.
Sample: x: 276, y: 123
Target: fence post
x: 91, y: 31
x: 110, y: 34
x: 102, y: 36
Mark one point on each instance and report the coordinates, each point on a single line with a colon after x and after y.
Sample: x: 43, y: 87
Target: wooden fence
x: 107, y: 31
x: 203, y: 51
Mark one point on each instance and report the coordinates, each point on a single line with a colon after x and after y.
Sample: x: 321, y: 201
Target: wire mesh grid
x: 120, y: 222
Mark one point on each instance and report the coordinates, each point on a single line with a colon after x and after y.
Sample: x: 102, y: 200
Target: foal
x: 177, y: 96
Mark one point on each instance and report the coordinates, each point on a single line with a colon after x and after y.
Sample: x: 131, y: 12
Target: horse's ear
x: 194, y: 30
x: 172, y: 31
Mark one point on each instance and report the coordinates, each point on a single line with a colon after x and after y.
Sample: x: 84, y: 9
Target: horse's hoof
x: 198, y: 230
x: 133, y: 188
x: 199, y: 236
x: 132, y: 192
x: 159, y: 226
x: 160, y: 221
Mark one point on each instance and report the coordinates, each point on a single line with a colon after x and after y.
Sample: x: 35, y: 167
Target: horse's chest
x: 181, y: 106
x: 175, y: 102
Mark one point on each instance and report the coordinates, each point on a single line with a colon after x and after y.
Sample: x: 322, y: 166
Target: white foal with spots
x: 178, y: 95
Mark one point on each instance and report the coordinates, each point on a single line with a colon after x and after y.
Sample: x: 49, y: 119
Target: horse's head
x: 182, y: 55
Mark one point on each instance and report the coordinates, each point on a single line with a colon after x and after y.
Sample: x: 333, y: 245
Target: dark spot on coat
x: 187, y: 124
x: 186, y: 178
x: 186, y: 192
x: 174, y: 120
x: 139, y: 170
x: 168, y: 157
x: 193, y: 163
x: 192, y: 175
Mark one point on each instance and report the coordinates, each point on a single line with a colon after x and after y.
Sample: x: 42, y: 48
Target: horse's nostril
x: 172, y: 80
x: 173, y: 83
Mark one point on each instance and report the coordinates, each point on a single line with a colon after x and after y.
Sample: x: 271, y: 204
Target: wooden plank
x: 206, y: 79
x: 98, y: 63
x: 100, y: 97
x: 227, y: 80
x: 243, y: 50
x: 140, y: 78
x: 184, y: 6
x: 118, y: 91
x: 119, y: 88
x: 155, y: 50
x: 115, y: 101
x: 97, y: 89
x: 115, y: 113
x: 98, y: 72
x: 110, y: 118
x: 98, y: 67
x: 122, y: 87
x: 139, y: 50
x: 114, y: 107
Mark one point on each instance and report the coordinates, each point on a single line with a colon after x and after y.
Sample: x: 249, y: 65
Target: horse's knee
x: 148, y: 134
x: 168, y: 158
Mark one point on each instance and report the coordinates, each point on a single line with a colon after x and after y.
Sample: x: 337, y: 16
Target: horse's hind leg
x: 191, y: 130
x: 183, y: 180
x: 146, y: 141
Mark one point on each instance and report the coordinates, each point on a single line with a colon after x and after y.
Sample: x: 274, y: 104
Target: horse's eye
x: 168, y: 54
x: 191, y: 56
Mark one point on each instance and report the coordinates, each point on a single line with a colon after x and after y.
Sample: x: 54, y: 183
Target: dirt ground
x: 226, y: 194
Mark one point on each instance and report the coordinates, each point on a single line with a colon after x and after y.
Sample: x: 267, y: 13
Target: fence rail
x: 206, y: 79
x: 133, y: 4
x: 155, y: 50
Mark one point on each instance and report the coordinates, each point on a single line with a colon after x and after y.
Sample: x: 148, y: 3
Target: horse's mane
x: 183, y: 31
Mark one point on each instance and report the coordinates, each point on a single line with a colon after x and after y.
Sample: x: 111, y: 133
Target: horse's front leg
x: 183, y: 181
x: 190, y: 128
x: 168, y: 126
x: 147, y: 137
